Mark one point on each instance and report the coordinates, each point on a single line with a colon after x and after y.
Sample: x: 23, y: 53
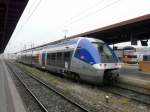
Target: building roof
x: 136, y: 28
x: 10, y: 13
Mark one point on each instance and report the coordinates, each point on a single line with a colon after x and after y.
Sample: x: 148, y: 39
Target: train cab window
x: 78, y: 49
x: 77, y: 53
x: 105, y: 53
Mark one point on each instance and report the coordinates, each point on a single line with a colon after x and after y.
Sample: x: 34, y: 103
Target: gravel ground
x: 90, y: 95
x: 52, y: 101
x: 29, y: 102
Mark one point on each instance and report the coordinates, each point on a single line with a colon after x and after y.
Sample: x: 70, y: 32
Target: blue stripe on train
x: 88, y: 52
x: 85, y: 56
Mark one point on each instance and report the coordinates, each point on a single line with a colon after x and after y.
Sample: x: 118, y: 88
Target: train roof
x: 62, y: 42
x: 58, y: 42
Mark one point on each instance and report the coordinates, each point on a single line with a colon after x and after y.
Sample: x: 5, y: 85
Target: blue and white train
x: 83, y: 58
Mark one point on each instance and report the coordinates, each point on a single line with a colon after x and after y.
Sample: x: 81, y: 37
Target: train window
x: 67, y: 55
x: 59, y: 56
x: 48, y: 58
x: 59, y: 61
x: 146, y: 58
x: 105, y: 53
x: 132, y: 56
x: 78, y: 52
x: 53, y: 57
x: 35, y: 59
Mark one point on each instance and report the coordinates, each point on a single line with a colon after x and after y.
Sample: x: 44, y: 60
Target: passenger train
x: 83, y: 58
x: 130, y: 55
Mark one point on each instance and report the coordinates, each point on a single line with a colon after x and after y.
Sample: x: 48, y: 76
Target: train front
x: 109, y: 63
x: 101, y: 65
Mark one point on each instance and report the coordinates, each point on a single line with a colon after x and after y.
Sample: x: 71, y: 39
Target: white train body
x: 87, y: 58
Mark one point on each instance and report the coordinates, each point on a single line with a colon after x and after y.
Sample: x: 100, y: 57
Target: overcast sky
x: 45, y: 21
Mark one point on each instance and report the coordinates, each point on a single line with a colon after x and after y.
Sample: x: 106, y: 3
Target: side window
x: 67, y: 56
x: 59, y: 60
x: 59, y: 56
x: 53, y: 57
x: 48, y: 58
x: 34, y: 59
x: 146, y: 58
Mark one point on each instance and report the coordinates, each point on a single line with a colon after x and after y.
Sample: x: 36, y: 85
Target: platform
x: 130, y: 74
x: 10, y: 100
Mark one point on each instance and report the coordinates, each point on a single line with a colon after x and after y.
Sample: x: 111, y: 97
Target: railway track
x: 121, y: 91
x: 124, y: 91
x: 129, y: 93
x: 64, y: 104
x: 42, y: 107
x: 83, y: 107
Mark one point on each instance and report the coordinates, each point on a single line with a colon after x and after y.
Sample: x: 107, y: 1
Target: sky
x: 45, y: 21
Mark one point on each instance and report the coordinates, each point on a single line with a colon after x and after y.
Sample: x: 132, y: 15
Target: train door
x: 67, y: 59
x: 43, y: 59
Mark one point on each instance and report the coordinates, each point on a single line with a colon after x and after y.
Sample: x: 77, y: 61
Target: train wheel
x: 76, y: 77
x: 62, y: 74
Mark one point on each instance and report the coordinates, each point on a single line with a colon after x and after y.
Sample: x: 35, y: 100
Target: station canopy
x: 129, y: 30
x: 10, y: 12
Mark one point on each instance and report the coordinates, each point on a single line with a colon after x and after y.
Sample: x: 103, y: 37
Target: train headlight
x: 118, y: 65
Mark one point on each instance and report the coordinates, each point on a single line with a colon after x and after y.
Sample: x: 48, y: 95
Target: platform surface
x: 10, y: 100
x: 130, y: 74
x: 133, y: 71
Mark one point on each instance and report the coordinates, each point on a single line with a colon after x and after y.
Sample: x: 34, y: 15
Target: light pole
x: 65, y: 33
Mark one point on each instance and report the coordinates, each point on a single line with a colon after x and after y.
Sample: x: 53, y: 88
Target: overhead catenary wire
x: 32, y: 5
x: 30, y: 15
x: 87, y: 9
x: 36, y: 7
x: 92, y: 13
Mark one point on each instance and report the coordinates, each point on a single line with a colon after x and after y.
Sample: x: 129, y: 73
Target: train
x: 130, y: 55
x: 83, y: 58
x: 130, y: 58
